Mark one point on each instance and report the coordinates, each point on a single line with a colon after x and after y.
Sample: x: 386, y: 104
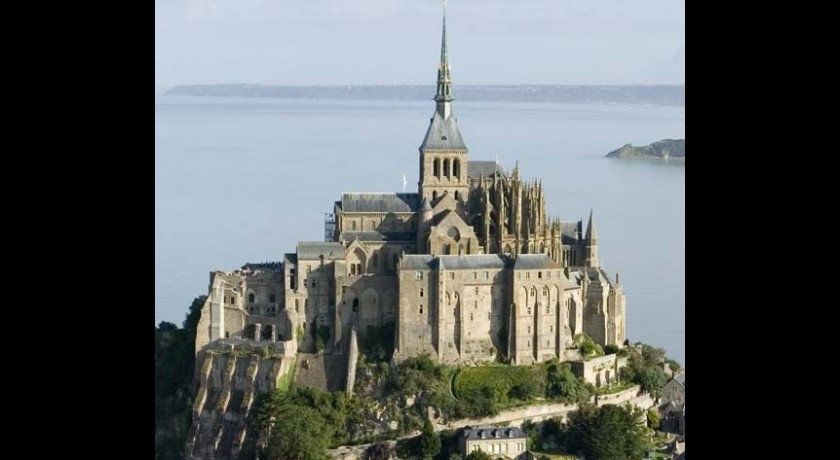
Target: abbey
x: 468, y: 269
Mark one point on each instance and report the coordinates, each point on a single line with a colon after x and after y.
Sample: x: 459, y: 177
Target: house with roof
x: 507, y: 443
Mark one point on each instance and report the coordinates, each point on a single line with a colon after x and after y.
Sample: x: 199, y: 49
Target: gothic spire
x: 591, y: 234
x: 443, y: 97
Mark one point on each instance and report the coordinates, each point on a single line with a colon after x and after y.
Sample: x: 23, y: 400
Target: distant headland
x: 667, y: 95
x: 666, y: 149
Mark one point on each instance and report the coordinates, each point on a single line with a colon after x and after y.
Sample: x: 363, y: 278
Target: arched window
x: 457, y: 195
x: 436, y: 168
x: 251, y: 298
x: 434, y: 195
x: 456, y: 168
x: 446, y: 167
x: 272, y: 297
x: 355, y: 305
x: 353, y: 225
x: 533, y: 291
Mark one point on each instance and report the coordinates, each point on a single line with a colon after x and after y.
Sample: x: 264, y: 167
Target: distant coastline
x: 665, y: 150
x: 664, y: 95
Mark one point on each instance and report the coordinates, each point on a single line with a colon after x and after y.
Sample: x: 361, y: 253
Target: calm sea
x: 244, y: 179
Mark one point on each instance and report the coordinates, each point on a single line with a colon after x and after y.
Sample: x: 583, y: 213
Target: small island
x: 666, y: 149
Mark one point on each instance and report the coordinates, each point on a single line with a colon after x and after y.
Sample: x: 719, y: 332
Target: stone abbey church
x: 470, y: 268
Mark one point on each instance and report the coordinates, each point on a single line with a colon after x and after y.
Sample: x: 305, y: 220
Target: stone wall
x: 600, y: 371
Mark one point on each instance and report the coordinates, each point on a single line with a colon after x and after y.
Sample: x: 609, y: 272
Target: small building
x: 674, y: 390
x: 672, y: 409
x: 601, y: 371
x: 509, y: 442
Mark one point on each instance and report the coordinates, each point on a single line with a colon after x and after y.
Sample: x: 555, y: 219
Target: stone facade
x: 499, y: 442
x: 470, y: 268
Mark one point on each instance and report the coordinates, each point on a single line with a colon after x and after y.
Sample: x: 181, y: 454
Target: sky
x: 392, y: 42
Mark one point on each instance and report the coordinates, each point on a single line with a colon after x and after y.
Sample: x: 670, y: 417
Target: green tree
x: 653, y: 418
x: 174, y: 365
x: 479, y: 455
x: 644, y: 368
x: 561, y: 383
x: 429, y: 440
x: 587, y: 347
x: 607, y: 433
x: 296, y: 433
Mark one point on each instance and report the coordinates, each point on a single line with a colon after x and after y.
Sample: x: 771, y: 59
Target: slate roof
x: 477, y: 169
x: 378, y: 236
x: 417, y: 262
x: 469, y: 262
x: 533, y: 262
x: 680, y: 378
x: 443, y: 134
x: 507, y: 432
x: 569, y: 229
x: 380, y: 202
x: 314, y: 250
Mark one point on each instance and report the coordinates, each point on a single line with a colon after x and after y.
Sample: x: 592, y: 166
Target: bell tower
x: 443, y: 154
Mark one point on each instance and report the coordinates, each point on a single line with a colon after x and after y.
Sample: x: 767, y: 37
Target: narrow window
x: 421, y: 309
x: 475, y: 275
x: 539, y: 275
x: 251, y: 298
x: 457, y: 195
x: 487, y: 275
x: 353, y: 224
x: 418, y: 275
x: 476, y: 290
x: 528, y: 275
x: 356, y: 305
x: 421, y: 292
x: 471, y: 316
x: 452, y: 275
x: 272, y: 297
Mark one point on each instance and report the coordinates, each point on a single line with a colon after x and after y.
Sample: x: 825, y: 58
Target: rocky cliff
x: 230, y: 375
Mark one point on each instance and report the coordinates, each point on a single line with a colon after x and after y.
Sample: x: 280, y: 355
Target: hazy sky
x: 328, y: 42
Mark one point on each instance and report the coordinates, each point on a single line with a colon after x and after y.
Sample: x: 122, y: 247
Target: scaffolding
x: 329, y: 226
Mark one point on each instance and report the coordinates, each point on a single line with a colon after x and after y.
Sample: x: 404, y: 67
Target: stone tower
x: 443, y: 154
